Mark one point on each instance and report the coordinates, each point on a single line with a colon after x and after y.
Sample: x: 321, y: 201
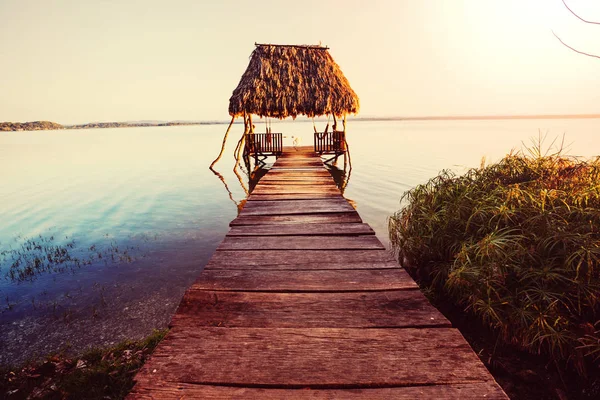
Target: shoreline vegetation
x: 105, y: 373
x: 48, y: 125
x: 513, y: 249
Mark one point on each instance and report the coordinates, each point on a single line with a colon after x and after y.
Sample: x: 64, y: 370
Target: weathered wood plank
x: 299, y: 159
x: 302, y: 259
x: 301, y: 243
x: 299, y: 153
x: 293, y: 196
x: 176, y: 391
x: 275, y: 189
x: 286, y: 207
x: 344, y: 217
x: 397, y: 309
x: 301, y: 266
x: 301, y: 162
x: 296, y: 174
x: 300, y: 203
x: 280, y: 182
x: 299, y: 168
x: 304, y: 281
x: 318, y: 357
x: 302, y: 229
x: 297, y: 180
x: 320, y: 172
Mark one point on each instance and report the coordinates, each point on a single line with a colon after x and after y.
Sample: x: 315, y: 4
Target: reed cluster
x: 517, y: 244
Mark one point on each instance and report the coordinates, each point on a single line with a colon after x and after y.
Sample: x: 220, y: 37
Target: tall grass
x: 516, y: 243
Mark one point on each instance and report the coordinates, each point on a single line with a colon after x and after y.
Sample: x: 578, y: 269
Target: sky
x: 74, y: 61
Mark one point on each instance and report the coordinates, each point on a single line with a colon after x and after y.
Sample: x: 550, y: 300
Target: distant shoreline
x: 47, y: 125
x: 479, y: 117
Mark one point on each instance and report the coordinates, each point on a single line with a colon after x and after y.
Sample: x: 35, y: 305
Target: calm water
x: 130, y: 216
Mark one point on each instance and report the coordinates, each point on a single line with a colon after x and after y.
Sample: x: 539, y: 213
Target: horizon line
x: 362, y: 118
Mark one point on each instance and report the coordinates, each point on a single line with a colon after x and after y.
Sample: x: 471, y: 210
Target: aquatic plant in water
x: 517, y: 243
x: 43, y: 254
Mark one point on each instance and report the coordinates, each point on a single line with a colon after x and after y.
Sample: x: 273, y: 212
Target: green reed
x: 516, y: 243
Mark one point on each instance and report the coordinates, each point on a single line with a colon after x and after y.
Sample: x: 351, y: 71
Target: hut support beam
x: 347, y: 158
x: 251, y: 130
x: 223, y: 144
x: 238, y: 149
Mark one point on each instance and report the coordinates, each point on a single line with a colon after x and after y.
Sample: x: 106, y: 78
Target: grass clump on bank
x: 517, y: 244
x: 97, y: 374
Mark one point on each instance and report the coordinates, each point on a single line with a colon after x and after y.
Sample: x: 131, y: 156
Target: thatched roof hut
x: 286, y: 81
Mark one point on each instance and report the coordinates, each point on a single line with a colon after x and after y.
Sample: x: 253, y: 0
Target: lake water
x: 130, y: 216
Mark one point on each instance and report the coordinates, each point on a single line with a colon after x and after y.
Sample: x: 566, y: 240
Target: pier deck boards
x: 302, y: 301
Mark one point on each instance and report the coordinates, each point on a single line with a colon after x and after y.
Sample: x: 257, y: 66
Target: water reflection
x: 256, y: 175
x: 340, y: 176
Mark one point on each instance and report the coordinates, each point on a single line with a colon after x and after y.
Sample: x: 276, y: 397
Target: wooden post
x: 223, y: 144
x: 347, y: 158
x: 251, y: 131
x: 238, y: 149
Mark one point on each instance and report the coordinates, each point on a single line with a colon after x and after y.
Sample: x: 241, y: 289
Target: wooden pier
x: 302, y: 301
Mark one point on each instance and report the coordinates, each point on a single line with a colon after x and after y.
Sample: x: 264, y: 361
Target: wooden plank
x: 258, y: 257
x: 288, y: 188
x: 306, y: 152
x: 397, y: 309
x: 300, y: 203
x: 363, y: 242
x: 299, y: 159
x: 345, y: 217
x: 293, y: 196
x: 299, y: 164
x: 304, y: 281
x: 285, y: 207
x: 301, y: 265
x: 321, y: 172
x: 281, y: 182
x: 176, y: 391
x: 302, y: 229
x: 291, y: 179
x: 299, y: 172
x: 317, y: 358
x: 298, y: 169
x: 294, y: 179
x: 302, y: 259
x: 276, y: 168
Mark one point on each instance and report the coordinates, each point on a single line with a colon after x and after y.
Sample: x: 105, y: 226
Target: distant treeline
x: 47, y: 125
x: 94, y: 125
x: 29, y: 126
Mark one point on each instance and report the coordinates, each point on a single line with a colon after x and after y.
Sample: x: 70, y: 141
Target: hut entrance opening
x: 284, y: 81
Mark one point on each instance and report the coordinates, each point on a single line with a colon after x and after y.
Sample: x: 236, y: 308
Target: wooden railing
x: 264, y: 143
x: 330, y: 142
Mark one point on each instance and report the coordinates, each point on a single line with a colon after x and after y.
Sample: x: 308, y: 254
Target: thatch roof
x: 286, y: 81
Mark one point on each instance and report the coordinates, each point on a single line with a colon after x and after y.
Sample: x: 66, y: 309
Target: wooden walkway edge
x: 302, y: 301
